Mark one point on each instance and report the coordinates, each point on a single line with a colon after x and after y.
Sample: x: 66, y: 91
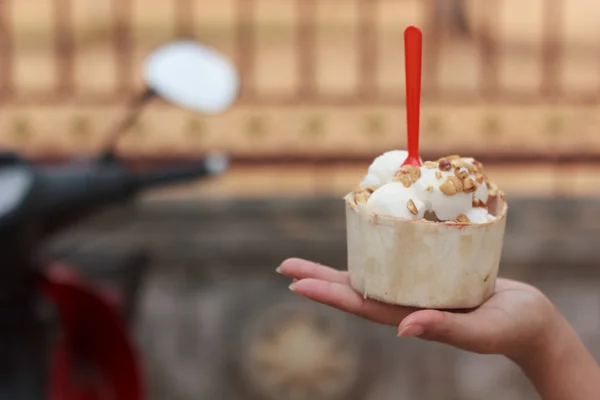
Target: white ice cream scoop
x: 395, y: 200
x: 383, y: 168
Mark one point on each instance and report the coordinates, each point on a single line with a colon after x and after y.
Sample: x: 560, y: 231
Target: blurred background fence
x: 474, y: 50
x: 514, y: 83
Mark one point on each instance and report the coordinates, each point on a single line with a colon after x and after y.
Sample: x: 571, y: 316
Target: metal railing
x: 366, y: 91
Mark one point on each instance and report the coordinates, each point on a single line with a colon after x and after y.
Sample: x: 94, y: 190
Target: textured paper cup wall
x: 422, y: 263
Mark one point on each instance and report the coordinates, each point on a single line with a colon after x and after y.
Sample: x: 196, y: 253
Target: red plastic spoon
x: 413, y: 49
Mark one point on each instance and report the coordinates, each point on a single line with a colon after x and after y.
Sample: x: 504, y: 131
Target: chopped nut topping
x: 469, y: 185
x: 400, y: 177
x: 456, y: 182
x: 414, y: 173
x: 460, y: 163
x: 445, y: 165
x: 408, y: 175
x: 438, y: 174
x: 462, y: 218
x: 411, y: 207
x: 405, y: 169
x: 362, y: 195
x: 431, y: 164
x: 461, y: 173
x: 448, y: 188
x: 479, y: 179
x: 429, y: 189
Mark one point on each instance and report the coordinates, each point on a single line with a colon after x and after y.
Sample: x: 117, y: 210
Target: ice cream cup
x: 421, y: 263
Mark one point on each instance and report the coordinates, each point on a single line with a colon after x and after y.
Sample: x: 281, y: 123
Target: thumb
x: 470, y: 331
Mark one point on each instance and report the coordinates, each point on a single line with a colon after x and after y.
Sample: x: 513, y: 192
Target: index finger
x: 302, y: 269
x: 343, y: 297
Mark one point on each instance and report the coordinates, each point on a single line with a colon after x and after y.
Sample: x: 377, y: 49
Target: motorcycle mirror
x: 193, y: 76
x: 185, y: 73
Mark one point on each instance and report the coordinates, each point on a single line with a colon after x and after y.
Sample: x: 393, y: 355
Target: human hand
x: 515, y: 321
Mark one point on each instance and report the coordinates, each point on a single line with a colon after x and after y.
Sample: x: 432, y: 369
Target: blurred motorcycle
x: 64, y: 336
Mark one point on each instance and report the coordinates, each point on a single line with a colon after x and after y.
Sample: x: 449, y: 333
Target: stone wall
x: 212, y: 293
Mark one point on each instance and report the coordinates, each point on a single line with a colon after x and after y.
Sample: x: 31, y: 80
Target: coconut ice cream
x: 428, y: 236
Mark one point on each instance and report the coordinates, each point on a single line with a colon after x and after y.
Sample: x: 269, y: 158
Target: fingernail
x: 291, y: 287
x: 411, y: 330
x: 278, y: 270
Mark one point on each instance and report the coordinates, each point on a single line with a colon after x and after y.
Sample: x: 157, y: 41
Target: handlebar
x: 36, y: 202
x: 211, y: 165
x: 72, y: 192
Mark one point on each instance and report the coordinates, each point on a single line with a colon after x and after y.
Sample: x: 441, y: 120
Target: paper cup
x: 424, y: 264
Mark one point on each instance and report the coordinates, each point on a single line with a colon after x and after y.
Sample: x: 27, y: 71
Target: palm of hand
x: 513, y: 318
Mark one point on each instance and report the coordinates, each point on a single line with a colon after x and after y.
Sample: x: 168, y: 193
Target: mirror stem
x: 135, y: 108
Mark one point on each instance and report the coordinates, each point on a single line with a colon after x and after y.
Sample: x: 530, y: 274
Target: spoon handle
x: 413, y: 48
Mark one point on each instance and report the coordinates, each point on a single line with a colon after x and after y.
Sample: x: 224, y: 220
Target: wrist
x: 546, y: 336
x: 559, y: 366
x: 553, y: 345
